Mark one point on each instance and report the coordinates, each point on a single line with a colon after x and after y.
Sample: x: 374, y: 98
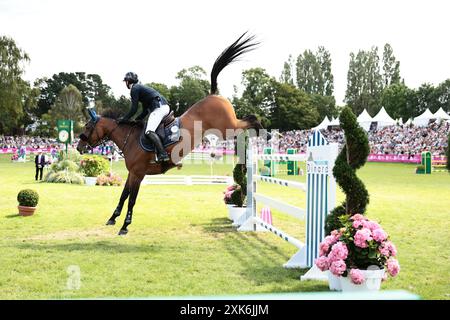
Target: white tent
x: 324, y: 124
x: 364, y: 120
x: 441, y: 115
x: 423, y: 119
x: 334, y: 122
x: 383, y: 119
x: 407, y: 123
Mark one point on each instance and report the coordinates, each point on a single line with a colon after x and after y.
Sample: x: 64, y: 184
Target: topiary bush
x: 352, y: 157
x: 93, y: 166
x: 28, y: 198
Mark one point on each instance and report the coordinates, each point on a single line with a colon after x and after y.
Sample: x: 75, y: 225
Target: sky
x: 156, y: 39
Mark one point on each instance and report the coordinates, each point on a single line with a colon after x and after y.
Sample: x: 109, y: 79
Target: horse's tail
x: 237, y: 48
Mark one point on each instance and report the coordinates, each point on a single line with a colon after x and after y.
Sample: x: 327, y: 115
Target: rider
x: 153, y: 102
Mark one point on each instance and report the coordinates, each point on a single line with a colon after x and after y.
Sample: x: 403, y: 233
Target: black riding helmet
x: 131, y: 77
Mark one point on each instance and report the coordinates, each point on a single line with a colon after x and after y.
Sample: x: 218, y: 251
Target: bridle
x: 106, y: 138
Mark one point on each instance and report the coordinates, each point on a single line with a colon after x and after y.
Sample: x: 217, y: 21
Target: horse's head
x: 93, y: 133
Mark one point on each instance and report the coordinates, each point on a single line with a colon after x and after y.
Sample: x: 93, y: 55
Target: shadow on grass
x: 261, y: 261
x: 91, y: 247
x: 14, y: 215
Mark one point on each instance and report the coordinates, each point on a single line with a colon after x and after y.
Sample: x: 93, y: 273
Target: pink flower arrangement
x: 109, y: 179
x: 228, y: 192
x: 360, y: 244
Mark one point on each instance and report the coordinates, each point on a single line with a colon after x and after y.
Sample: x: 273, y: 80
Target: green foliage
x: 292, y: 108
x: 64, y: 176
x: 14, y: 91
x: 192, y: 88
x: 391, y: 67
x: 314, y: 72
x: 28, y: 198
x: 93, y: 165
x: 352, y: 157
x: 64, y: 171
x: 72, y: 155
x: 364, y: 81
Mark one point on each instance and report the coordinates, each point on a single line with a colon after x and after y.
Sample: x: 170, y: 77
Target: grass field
x: 181, y: 242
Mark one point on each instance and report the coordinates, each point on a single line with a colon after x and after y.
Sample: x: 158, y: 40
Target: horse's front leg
x: 123, y: 197
x: 134, y: 184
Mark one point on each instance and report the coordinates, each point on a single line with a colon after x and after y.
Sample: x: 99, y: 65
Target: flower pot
x: 334, y: 282
x: 26, y: 211
x: 235, y: 213
x: 229, y: 206
x: 372, y: 281
x: 90, y: 181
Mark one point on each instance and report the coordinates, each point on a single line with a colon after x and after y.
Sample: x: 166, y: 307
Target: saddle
x: 168, y: 130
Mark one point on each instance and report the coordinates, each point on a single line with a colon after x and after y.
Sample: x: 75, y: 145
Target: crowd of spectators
x: 395, y: 140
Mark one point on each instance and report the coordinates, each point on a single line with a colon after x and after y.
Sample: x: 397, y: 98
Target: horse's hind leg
x: 134, y: 184
x: 123, y: 197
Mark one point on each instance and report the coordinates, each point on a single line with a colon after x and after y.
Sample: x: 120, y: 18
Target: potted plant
x: 109, y: 179
x: 92, y: 167
x: 238, y: 194
x: 227, y: 198
x: 28, y: 200
x: 358, y: 254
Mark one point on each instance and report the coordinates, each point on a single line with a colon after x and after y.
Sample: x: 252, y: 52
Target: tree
x: 68, y: 106
x: 442, y: 93
x: 192, y: 88
x: 391, y: 67
x: 258, y: 95
x: 314, y: 74
x: 91, y: 87
x: 398, y: 100
x: 286, y: 74
x: 292, y: 109
x: 364, y: 82
x: 12, y: 87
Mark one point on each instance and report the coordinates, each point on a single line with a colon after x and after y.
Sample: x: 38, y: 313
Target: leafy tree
x: 426, y: 98
x: 91, y: 87
x: 364, y: 82
x: 12, y: 87
x: 257, y: 97
x: 286, y: 74
x: 391, y: 67
x: 161, y: 88
x: 314, y: 72
x: 399, y: 101
x: 68, y: 106
x: 442, y: 93
x: 192, y: 88
x: 292, y: 109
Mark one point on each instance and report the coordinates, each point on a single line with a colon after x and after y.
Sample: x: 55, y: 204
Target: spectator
x: 39, y: 162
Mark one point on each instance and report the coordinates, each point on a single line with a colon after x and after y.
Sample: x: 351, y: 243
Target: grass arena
x: 183, y: 244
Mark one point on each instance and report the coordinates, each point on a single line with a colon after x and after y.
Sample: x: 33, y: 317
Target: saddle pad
x: 170, y: 137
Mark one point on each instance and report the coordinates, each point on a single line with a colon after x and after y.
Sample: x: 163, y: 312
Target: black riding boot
x: 162, y: 154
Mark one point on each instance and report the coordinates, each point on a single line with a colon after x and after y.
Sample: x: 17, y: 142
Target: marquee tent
x: 423, y: 119
x: 383, y: 119
x: 441, y: 115
x: 324, y: 124
x: 364, y: 120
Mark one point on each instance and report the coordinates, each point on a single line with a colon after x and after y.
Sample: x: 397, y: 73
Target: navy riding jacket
x: 149, y: 97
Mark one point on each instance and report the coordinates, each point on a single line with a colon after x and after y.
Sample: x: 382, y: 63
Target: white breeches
x: 154, y: 119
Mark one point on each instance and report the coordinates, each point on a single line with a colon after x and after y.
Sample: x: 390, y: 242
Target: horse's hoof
x: 123, y: 232
x: 111, y: 222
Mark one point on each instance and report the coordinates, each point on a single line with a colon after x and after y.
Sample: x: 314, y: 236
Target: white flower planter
x: 90, y: 181
x: 334, y: 282
x: 372, y: 281
x: 235, y: 213
x: 229, y: 206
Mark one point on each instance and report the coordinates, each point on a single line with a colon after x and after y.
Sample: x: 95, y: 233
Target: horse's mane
x: 116, y: 115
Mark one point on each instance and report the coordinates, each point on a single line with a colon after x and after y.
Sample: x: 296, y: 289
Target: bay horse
x: 213, y: 112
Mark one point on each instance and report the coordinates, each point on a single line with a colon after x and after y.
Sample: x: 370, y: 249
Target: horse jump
x: 320, y: 191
